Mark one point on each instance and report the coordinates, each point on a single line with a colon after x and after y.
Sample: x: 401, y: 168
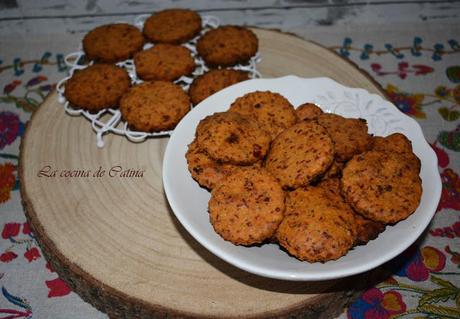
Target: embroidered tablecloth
x: 420, y: 71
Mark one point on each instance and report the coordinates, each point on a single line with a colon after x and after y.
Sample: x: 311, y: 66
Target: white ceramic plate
x: 190, y: 202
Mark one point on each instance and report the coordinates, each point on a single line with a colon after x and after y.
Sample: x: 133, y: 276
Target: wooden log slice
x: 115, y: 240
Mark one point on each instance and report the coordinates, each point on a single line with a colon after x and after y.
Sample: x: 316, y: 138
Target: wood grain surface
x: 114, y: 239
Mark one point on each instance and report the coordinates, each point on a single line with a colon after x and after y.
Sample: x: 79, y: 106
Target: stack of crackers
x: 158, y: 104
x: 316, y: 183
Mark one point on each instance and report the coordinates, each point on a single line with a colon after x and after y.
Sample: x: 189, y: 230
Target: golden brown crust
x: 205, y: 170
x: 398, y: 143
x: 154, y: 106
x: 247, y: 206
x: 214, y: 81
x: 381, y: 186
x: 97, y: 87
x: 232, y: 138
x: 349, y: 135
x: 227, y: 45
x: 112, y: 43
x: 308, y: 111
x: 300, y: 154
x: 172, y: 26
x: 272, y: 110
x: 164, y: 62
x: 319, y: 226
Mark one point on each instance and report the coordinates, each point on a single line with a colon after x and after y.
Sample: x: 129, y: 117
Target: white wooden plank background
x: 25, y: 17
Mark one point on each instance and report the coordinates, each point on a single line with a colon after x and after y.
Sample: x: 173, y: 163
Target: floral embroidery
x: 375, y: 304
x: 12, y: 233
x: 403, y: 70
x: 416, y: 264
x: 443, y: 157
x: 33, y: 96
x: 10, y: 87
x: 410, y: 104
x: 450, y: 194
x: 10, y: 128
x: 7, y: 181
x: 415, y: 49
x: 57, y: 288
x: 455, y: 256
x: 10, y: 230
x: 10, y: 313
x: 450, y: 139
x: 448, y: 232
x: 453, y: 73
x: 32, y: 254
x: 7, y: 256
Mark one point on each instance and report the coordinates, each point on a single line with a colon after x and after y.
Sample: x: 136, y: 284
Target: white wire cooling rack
x: 110, y: 120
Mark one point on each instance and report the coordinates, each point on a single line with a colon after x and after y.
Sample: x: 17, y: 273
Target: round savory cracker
x: 323, y: 197
x: 164, y: 62
x: 172, y: 26
x: 398, y: 143
x: 272, y: 110
x: 349, y: 135
x: 308, y: 111
x: 247, y: 206
x: 232, y: 138
x: 206, y: 171
x: 363, y: 228
x: 381, y: 186
x: 227, y: 45
x: 112, y: 43
x: 300, y: 154
x: 97, y: 87
x: 318, y: 225
x: 214, y: 81
x: 154, y: 106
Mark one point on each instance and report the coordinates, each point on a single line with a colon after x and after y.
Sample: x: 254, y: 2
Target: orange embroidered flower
x: 7, y: 181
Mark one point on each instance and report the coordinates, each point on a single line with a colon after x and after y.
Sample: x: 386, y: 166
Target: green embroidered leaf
x: 443, y: 312
x: 7, y: 99
x: 441, y: 282
x: 438, y: 295
x: 26, y: 105
x: 449, y: 115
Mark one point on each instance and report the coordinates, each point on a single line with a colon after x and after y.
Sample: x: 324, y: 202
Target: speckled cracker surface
x: 381, y: 186
x: 247, y: 206
x: 172, y: 26
x: 233, y: 138
x: 272, y: 110
x: 300, y: 154
x: 97, y: 87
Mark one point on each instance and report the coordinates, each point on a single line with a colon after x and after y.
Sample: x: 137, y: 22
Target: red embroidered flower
x: 57, y: 288
x: 7, y: 256
x: 32, y: 254
x: 7, y: 89
x: 450, y: 195
x: 443, y: 157
x: 448, y: 231
x: 10, y: 128
x: 410, y: 104
x: 7, y: 181
x: 374, y: 304
x: 26, y: 229
x: 10, y: 230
